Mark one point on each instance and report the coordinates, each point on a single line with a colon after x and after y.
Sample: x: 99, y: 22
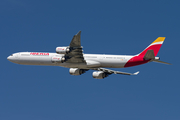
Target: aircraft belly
x: 73, y: 65
x: 92, y: 64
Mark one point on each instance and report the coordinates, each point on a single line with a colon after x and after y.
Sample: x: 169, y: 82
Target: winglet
x: 135, y: 73
x: 79, y: 33
x: 76, y: 40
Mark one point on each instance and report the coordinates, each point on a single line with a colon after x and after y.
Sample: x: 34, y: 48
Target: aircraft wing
x: 108, y: 71
x: 76, y: 40
x: 76, y: 53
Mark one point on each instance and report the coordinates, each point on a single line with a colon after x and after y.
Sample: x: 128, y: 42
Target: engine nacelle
x: 76, y: 71
x: 99, y: 75
x: 57, y: 59
x: 62, y: 50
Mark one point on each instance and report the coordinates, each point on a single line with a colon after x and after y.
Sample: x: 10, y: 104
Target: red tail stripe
x: 138, y: 60
x: 152, y: 47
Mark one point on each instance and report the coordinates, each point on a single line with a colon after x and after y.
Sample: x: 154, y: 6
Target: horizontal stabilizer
x: 149, y: 55
x: 158, y: 61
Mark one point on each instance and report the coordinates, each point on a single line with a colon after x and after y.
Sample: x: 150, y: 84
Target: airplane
x: 72, y: 57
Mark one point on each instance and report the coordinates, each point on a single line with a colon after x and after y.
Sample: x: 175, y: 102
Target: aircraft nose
x: 12, y: 58
x: 9, y: 57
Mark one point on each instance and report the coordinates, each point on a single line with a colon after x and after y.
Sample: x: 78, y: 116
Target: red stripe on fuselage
x: 136, y: 60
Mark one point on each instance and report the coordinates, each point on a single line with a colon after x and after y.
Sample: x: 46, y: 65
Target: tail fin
x: 148, y: 55
x: 155, y: 46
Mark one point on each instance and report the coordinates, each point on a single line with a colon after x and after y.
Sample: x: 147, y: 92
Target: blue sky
x: 108, y: 27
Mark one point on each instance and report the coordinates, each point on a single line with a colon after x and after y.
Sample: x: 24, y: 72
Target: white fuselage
x: 92, y: 60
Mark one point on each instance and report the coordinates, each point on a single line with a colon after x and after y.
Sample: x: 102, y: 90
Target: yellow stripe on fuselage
x: 159, y: 39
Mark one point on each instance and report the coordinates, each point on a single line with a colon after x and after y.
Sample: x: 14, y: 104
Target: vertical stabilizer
x: 149, y: 54
x: 155, y: 46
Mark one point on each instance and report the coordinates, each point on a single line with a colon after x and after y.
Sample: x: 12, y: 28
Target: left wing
x: 76, y: 53
x: 108, y: 71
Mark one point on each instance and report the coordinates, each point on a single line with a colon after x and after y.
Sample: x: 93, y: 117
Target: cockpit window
x: 12, y: 55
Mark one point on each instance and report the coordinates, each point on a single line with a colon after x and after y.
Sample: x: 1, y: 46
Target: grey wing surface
x: 76, y: 53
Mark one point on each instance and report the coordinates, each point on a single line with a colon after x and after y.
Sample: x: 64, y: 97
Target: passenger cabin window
x: 25, y: 54
x: 109, y: 57
x: 91, y: 57
x: 120, y: 58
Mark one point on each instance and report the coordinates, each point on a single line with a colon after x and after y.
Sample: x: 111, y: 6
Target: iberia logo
x: 60, y: 48
x: 36, y: 53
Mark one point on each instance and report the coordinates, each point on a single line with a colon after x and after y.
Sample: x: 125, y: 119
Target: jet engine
x: 99, y: 75
x: 57, y: 59
x: 62, y: 50
x: 76, y: 71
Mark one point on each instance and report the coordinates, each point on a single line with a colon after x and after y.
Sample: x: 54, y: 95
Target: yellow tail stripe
x: 159, y: 39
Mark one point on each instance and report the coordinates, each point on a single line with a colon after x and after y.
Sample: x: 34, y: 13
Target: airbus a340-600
x: 72, y: 57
